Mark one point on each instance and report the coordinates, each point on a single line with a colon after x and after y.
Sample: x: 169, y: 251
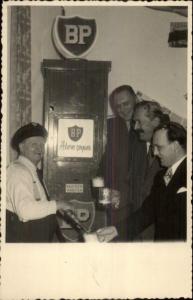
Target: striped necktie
x: 168, y: 175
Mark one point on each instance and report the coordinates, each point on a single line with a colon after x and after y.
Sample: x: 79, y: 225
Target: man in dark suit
x: 166, y: 204
x: 128, y: 167
x: 123, y: 149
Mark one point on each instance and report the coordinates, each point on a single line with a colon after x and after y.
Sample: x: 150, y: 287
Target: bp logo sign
x: 74, y: 36
x: 75, y: 133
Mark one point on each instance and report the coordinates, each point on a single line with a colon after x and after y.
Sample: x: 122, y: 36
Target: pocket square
x: 182, y: 190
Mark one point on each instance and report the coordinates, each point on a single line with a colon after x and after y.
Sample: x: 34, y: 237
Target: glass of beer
x: 100, y: 193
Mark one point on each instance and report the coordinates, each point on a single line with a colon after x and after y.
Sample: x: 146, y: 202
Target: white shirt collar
x: 147, y: 146
x: 176, y: 164
x: 24, y: 160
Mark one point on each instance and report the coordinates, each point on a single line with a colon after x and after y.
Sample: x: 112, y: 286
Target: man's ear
x: 176, y: 146
x: 156, y: 122
x: 20, y: 146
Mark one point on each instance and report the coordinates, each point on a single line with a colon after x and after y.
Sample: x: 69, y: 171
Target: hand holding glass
x: 104, y: 195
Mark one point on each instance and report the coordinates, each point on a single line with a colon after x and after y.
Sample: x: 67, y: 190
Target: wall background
x: 133, y: 38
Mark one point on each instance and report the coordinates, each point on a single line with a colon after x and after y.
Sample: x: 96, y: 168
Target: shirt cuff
x: 52, y: 207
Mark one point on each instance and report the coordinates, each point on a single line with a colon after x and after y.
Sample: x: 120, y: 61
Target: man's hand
x: 115, y: 198
x: 102, y: 235
x: 61, y: 204
x: 106, y: 234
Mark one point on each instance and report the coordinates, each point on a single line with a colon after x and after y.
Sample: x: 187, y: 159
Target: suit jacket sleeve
x: 145, y: 215
x: 181, y: 206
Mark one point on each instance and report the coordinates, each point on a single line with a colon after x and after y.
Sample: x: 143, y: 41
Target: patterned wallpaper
x: 20, y: 68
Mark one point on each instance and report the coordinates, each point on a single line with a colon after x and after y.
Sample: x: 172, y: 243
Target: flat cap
x: 27, y: 131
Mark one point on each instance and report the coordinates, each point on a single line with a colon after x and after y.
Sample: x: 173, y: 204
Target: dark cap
x: 27, y: 131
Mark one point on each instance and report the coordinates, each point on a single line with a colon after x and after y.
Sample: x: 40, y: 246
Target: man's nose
x: 121, y: 107
x: 136, y: 125
x: 40, y: 148
x: 43, y: 149
x: 155, y: 151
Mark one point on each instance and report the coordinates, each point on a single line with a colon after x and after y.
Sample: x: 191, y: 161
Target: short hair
x: 118, y: 90
x: 153, y: 110
x: 175, y: 132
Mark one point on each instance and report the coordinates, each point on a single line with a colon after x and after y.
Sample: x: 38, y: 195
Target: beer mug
x: 100, y: 193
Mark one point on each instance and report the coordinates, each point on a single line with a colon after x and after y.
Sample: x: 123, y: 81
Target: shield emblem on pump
x: 85, y: 214
x: 74, y: 36
x: 75, y: 133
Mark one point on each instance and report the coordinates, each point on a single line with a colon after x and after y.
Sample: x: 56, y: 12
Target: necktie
x: 40, y: 176
x: 150, y: 156
x: 168, y: 176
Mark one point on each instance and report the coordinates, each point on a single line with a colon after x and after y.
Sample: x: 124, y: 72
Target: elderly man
x: 147, y: 117
x: 141, y: 165
x: 30, y: 214
x: 122, y: 101
x: 166, y: 204
x: 144, y: 166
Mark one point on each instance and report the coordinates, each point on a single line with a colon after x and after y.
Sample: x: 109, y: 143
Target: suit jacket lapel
x: 179, y: 177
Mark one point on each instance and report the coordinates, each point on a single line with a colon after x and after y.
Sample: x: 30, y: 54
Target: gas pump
x: 75, y: 108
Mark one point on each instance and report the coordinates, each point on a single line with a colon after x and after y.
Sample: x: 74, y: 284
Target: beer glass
x: 100, y: 193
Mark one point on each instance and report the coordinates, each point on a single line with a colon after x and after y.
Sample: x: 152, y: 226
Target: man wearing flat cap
x: 30, y: 214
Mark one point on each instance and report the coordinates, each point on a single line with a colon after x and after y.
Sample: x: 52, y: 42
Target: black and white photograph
x: 96, y: 149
